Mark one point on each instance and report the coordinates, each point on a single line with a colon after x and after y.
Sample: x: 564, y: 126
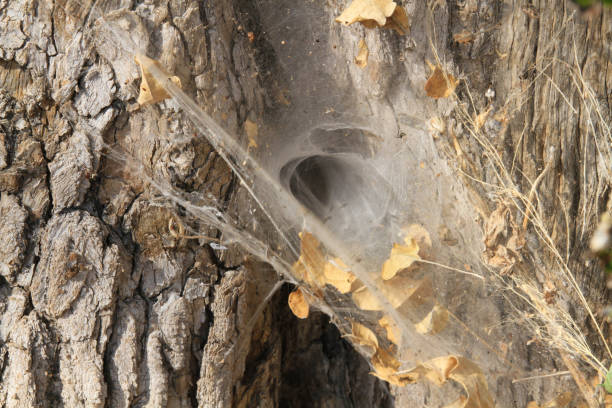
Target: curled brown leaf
x: 298, y: 304
x: 440, y: 84
x: 151, y: 91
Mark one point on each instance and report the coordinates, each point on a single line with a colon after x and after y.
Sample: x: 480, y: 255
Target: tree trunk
x: 104, y: 300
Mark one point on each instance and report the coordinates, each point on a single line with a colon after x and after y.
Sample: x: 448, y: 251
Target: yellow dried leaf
x: 473, y: 381
x: 402, y: 256
x: 393, y: 332
x: 434, y: 322
x: 298, y: 304
x: 251, y: 131
x: 385, y: 365
x: 440, y: 369
x: 151, y: 91
x: 459, y: 369
x: 336, y: 274
x: 396, y: 291
x: 365, y: 11
x: 376, y: 13
x: 440, y: 85
x: 361, y: 60
x: 299, y: 270
x: 419, y: 234
x: 399, y: 21
x: 364, y: 336
x: 309, y: 267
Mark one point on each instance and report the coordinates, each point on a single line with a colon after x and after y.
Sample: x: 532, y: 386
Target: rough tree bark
x: 101, y: 305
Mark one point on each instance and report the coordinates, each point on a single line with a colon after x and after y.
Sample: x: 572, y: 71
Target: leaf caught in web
x: 385, y: 366
x: 417, y: 243
x: 309, y: 267
x: 440, y: 84
x: 396, y: 291
x: 459, y: 369
x: 151, y: 91
x: 402, y: 256
x: 298, y: 304
x: 394, y: 334
x: 376, y: 13
x: 434, y: 322
x: 336, y: 274
x: 364, y: 336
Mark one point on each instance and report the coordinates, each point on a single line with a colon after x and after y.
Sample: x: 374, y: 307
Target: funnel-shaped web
x: 374, y: 228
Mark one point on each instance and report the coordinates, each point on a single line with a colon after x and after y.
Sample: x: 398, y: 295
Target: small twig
x: 537, y: 377
x: 532, y: 193
x: 450, y: 268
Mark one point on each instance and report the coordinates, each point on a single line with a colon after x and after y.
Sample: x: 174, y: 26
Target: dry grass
x: 549, y: 322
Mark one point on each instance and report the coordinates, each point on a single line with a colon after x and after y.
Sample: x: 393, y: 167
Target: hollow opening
x: 343, y: 190
x: 312, y: 182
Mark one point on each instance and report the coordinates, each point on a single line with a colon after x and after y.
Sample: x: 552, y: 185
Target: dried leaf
x: 394, y: 334
x: 419, y: 234
x: 364, y: 336
x: 376, y: 13
x: 459, y: 369
x: 367, y: 11
x: 151, y: 91
x: 402, y: 256
x: 361, y: 60
x: 434, y: 322
x: 473, y: 381
x: 439, y: 84
x: 336, y: 274
x: 251, y: 131
x: 309, y: 267
x: 298, y: 304
x: 399, y: 21
x: 503, y: 240
x: 496, y: 225
x: 501, y: 258
x: 385, y: 366
x: 313, y: 268
x: 396, y: 291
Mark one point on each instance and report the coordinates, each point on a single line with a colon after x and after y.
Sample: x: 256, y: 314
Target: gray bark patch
x: 70, y: 173
x: 97, y: 91
x: 12, y: 235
